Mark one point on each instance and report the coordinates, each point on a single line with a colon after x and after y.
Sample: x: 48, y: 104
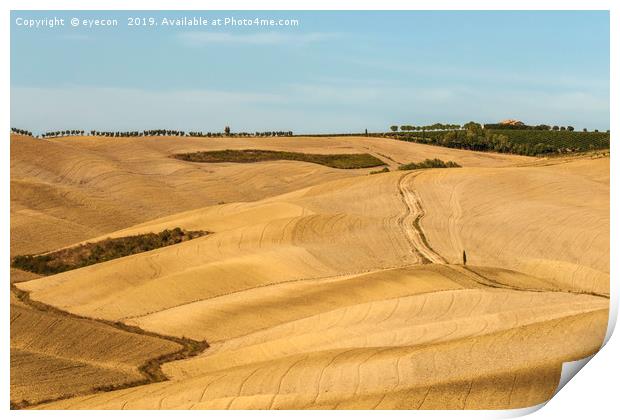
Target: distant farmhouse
x: 512, y: 122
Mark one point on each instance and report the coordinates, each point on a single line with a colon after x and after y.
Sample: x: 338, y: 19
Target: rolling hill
x: 329, y: 288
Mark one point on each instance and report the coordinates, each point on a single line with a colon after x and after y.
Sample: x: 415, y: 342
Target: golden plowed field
x: 321, y: 287
x: 71, y: 189
x: 56, y: 356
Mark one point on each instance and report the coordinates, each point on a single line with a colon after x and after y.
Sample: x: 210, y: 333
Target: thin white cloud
x: 197, y: 39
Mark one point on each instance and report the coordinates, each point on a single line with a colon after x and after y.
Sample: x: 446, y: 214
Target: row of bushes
x: 339, y: 161
x: 105, y: 250
x: 425, y: 164
x: 428, y: 163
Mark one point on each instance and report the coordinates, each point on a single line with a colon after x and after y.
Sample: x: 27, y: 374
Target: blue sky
x: 335, y: 72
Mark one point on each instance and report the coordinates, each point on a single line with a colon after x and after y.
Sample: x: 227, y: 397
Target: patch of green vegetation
x: 343, y: 161
x: 105, y: 250
x: 380, y: 171
x: 428, y: 163
x: 556, y: 140
x: 531, y: 141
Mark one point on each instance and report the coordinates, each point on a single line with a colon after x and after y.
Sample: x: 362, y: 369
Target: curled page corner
x: 613, y: 316
x: 519, y: 412
x: 569, y: 370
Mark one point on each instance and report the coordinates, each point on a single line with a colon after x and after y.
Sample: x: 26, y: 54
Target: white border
x: 592, y: 394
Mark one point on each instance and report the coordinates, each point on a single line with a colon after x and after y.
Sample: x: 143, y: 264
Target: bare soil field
x: 68, y: 190
x: 56, y: 356
x: 317, y: 287
x: 553, y: 220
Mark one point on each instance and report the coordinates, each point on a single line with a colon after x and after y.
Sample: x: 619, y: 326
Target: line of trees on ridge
x: 21, y: 131
x: 153, y: 133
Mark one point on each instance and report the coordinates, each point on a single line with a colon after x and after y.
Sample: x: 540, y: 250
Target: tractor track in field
x: 409, y: 222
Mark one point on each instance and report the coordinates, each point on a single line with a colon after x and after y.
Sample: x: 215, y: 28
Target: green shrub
x: 428, y: 163
x: 380, y: 171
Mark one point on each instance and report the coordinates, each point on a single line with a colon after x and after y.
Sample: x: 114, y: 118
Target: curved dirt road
x: 410, y: 222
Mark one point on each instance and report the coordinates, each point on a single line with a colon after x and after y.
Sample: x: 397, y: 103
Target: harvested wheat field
x: 67, y: 190
x: 58, y: 356
x: 316, y: 287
